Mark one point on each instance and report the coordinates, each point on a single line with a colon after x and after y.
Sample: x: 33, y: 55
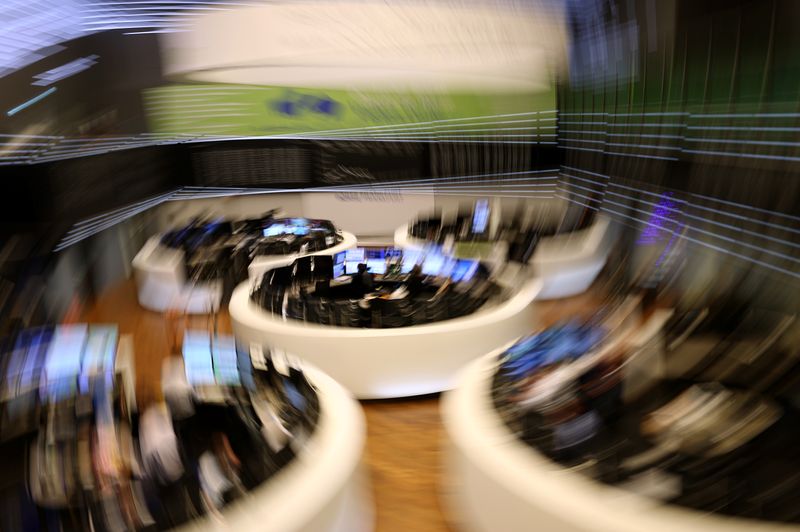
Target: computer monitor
x: 410, y: 259
x: 197, y: 358
x: 338, y: 264
x: 355, y: 255
x: 276, y: 229
x: 63, y: 362
x: 351, y: 267
x: 480, y: 217
x: 224, y: 360
x: 434, y: 264
x: 300, y: 226
x: 464, y: 270
x: 376, y: 266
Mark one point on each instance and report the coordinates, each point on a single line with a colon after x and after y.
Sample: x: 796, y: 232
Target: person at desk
x: 416, y: 280
x: 363, y: 281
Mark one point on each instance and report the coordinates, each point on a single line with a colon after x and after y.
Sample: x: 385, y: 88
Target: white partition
x: 568, y: 263
x: 161, y: 282
x: 380, y: 363
x: 324, y: 489
x: 495, y: 482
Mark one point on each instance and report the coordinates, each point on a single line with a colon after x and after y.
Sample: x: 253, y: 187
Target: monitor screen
x: 434, y: 264
x: 355, y: 255
x: 275, y: 230
x: 300, y: 226
x: 224, y: 359
x: 377, y: 266
x: 197, y: 358
x: 480, y: 217
x: 464, y: 270
x: 351, y: 267
x: 375, y: 254
x: 410, y: 259
x: 338, y: 264
x: 63, y: 362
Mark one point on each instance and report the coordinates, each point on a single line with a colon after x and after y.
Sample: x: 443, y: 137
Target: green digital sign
x: 245, y: 110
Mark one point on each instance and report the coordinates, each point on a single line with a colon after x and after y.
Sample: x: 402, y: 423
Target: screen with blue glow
x: 480, y: 218
x: 377, y: 266
x: 63, y: 362
x: 223, y: 356
x: 410, y: 259
x: 355, y: 255
x: 464, y: 270
x: 338, y: 264
x: 434, y: 264
x: 197, y: 358
x: 275, y: 230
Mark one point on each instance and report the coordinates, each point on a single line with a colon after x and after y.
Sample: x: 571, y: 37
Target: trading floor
x: 404, y: 436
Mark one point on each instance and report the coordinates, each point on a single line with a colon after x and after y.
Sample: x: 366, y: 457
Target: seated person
x: 416, y: 280
x: 363, y: 281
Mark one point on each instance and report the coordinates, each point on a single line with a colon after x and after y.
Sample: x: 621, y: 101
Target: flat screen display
x: 480, y: 217
x: 464, y: 270
x: 410, y: 259
x: 377, y: 266
x: 197, y: 358
x: 63, y: 362
x: 224, y: 359
x: 434, y: 264
x: 338, y: 264
x: 355, y: 255
x: 275, y: 230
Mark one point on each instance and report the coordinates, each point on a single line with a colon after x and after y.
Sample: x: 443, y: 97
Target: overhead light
x: 25, y: 105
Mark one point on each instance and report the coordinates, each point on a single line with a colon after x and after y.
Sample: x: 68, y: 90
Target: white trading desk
x: 382, y: 363
x: 494, y: 481
x: 567, y: 263
x: 161, y: 282
x: 264, y: 263
x: 324, y: 489
x: 161, y: 276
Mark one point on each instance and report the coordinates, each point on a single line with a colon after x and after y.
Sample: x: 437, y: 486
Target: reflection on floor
x: 404, y: 451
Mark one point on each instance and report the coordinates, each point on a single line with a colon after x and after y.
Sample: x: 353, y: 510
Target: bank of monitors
x: 296, y: 226
x: 59, y: 362
x: 210, y: 360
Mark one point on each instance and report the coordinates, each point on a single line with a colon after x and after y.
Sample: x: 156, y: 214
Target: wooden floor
x: 404, y: 451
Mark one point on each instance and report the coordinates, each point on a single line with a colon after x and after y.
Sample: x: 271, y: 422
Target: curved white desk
x: 496, y: 482
x: 161, y: 278
x: 567, y: 263
x: 264, y: 263
x: 381, y: 363
x: 324, y: 489
x: 161, y: 282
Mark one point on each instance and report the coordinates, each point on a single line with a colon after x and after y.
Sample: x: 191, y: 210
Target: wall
x: 368, y: 213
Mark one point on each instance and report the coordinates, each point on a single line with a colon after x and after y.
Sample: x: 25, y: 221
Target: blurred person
x: 416, y: 280
x: 363, y: 281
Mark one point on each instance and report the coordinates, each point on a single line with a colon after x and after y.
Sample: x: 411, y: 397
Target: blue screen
x: 410, y: 259
x: 355, y: 255
x: 338, y: 264
x: 464, y: 270
x: 480, y: 217
x: 275, y: 230
x: 377, y: 266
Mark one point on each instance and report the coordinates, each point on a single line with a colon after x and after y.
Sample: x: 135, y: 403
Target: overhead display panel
x: 355, y: 70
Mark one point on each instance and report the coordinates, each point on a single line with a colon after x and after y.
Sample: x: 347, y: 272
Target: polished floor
x: 404, y: 436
